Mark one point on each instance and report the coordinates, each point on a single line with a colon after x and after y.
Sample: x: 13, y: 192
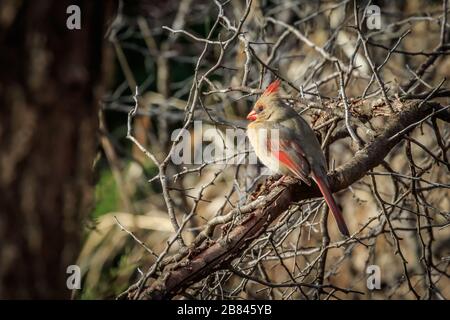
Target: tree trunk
x: 49, y: 99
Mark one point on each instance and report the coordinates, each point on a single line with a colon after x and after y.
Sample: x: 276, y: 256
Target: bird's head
x: 267, y: 105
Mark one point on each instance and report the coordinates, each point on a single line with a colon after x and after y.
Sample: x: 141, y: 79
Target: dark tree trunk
x: 49, y: 98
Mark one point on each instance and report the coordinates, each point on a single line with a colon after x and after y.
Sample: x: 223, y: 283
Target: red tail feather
x: 323, y: 186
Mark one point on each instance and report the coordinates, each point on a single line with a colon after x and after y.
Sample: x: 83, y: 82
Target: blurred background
x: 75, y: 191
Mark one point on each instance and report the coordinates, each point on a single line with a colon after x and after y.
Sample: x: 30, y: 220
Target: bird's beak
x: 251, y: 116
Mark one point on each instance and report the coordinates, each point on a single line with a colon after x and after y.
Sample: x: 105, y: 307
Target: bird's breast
x: 258, y: 139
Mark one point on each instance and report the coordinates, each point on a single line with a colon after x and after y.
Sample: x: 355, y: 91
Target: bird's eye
x: 259, y: 108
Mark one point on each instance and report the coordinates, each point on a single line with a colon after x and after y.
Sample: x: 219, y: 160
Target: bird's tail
x: 325, y: 190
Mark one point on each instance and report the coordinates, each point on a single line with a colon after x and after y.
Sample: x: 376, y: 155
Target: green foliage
x: 106, y: 194
x: 113, y: 281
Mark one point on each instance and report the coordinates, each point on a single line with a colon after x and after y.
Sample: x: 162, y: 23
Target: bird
x: 286, y: 144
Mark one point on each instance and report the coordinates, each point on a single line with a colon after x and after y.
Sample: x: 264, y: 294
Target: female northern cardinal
x: 286, y: 144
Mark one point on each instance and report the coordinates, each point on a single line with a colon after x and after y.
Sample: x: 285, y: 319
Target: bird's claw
x: 279, y: 182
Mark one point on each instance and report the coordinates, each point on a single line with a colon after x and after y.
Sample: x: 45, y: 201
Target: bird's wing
x: 287, y: 150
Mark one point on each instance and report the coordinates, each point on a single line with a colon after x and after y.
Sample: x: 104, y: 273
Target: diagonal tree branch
x: 217, y: 254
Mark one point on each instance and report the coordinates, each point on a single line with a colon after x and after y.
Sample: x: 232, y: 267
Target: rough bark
x: 49, y: 97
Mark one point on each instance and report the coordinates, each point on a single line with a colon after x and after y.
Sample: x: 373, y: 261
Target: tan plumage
x: 286, y: 144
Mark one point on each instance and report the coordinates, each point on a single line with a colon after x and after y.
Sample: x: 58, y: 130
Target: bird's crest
x: 270, y: 95
x: 272, y: 88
